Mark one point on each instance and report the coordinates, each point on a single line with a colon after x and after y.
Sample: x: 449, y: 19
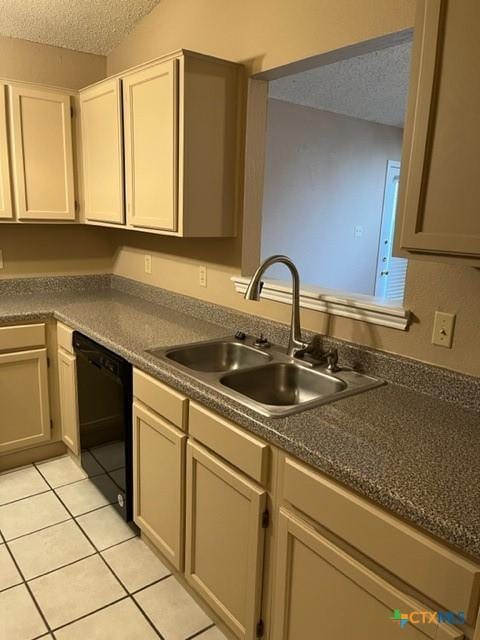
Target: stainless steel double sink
x: 265, y: 380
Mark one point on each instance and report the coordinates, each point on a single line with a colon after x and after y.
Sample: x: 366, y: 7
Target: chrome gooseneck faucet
x: 295, y: 343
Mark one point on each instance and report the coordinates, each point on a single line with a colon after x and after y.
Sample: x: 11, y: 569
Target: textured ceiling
x: 372, y: 86
x: 94, y: 26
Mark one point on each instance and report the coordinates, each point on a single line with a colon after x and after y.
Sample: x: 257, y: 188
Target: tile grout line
x: 147, y: 618
x: 5, y: 504
x: 48, y: 526
x: 90, y: 451
x: 98, y: 552
x: 67, y: 484
x: 91, y: 613
x: 151, y: 584
x: 63, y: 566
x: 68, y: 564
x: 27, y: 586
x: 84, y: 513
x: 6, y: 472
x: 199, y: 633
x: 104, y: 472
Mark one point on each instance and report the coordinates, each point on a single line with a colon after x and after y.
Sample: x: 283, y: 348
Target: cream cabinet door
x: 67, y: 377
x: 24, y: 405
x: 439, y: 193
x: 224, y: 540
x: 322, y: 592
x: 150, y: 99
x: 158, y: 482
x: 102, y: 152
x: 43, y: 156
x: 6, y: 210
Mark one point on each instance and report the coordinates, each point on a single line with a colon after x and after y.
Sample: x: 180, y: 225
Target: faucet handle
x: 312, y: 348
x: 331, y: 356
x: 261, y: 342
x: 307, y: 349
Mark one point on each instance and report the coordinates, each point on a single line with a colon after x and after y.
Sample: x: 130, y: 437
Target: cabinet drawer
x: 64, y: 337
x: 431, y: 568
x: 22, y: 337
x: 165, y: 401
x: 240, y: 449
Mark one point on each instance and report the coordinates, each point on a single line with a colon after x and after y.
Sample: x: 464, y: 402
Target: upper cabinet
x: 6, y: 211
x: 102, y: 152
x: 157, y: 149
x: 151, y: 146
x: 439, y: 190
x: 181, y: 117
x: 41, y: 131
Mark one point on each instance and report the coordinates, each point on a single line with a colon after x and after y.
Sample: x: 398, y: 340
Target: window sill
x: 355, y: 306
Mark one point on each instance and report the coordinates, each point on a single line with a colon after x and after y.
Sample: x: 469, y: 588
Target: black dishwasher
x: 104, y: 382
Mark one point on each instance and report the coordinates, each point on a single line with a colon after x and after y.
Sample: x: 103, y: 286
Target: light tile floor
x: 71, y: 569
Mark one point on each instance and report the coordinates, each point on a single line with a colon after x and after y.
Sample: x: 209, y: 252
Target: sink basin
x: 217, y: 356
x: 269, y: 382
x: 283, y: 384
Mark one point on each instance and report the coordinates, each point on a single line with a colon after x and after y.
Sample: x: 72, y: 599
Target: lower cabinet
x: 202, y: 500
x: 24, y: 400
x: 224, y: 539
x: 158, y: 469
x: 67, y: 375
x: 322, y: 592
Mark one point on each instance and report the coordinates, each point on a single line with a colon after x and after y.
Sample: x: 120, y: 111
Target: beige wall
x: 32, y: 62
x: 260, y: 34
x: 51, y: 249
x: 324, y: 176
x: 263, y: 35
x: 40, y: 250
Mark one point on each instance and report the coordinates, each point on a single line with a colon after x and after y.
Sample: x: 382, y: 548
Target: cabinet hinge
x: 72, y: 112
x: 51, y: 424
x: 260, y: 629
x: 265, y: 519
x: 48, y: 363
x: 77, y: 206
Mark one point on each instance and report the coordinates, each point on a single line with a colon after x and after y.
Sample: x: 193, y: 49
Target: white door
x: 391, y: 271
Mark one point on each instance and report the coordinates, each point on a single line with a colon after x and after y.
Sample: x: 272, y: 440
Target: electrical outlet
x: 1, y: 259
x: 202, y: 276
x: 148, y: 264
x: 358, y: 231
x: 443, y: 329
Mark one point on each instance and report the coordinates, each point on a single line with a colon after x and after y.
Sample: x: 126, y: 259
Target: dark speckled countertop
x: 414, y: 452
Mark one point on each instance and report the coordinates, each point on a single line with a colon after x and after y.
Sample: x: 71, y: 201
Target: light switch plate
x: 443, y: 329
